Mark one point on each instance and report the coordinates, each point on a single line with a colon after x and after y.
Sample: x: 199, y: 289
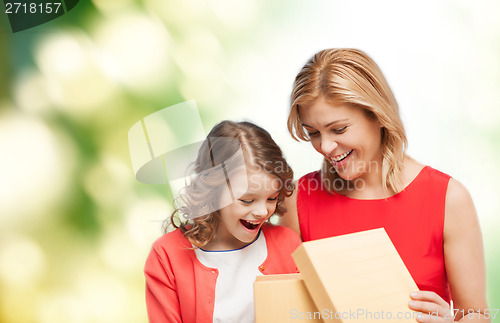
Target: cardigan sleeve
x: 162, y: 301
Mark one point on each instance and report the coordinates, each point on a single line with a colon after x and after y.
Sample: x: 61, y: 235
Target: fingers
x: 429, y: 297
x: 430, y: 318
x: 431, y: 306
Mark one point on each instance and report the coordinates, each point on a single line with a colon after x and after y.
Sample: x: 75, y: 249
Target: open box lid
x: 357, y: 277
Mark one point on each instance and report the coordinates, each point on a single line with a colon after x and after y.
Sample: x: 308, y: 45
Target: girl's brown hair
x: 349, y: 76
x: 259, y: 151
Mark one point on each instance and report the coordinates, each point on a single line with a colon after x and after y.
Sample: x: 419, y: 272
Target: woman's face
x: 345, y: 136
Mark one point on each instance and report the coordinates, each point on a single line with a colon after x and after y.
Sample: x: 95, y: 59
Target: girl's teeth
x: 249, y: 225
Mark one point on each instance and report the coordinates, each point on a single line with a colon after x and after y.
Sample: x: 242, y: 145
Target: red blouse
x: 413, y: 219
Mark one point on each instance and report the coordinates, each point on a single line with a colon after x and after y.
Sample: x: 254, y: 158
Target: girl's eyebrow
x: 247, y: 194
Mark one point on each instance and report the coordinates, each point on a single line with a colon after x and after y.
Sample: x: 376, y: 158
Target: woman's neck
x: 371, y: 186
x: 366, y: 190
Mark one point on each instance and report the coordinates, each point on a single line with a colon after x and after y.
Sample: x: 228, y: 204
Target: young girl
x: 204, y: 270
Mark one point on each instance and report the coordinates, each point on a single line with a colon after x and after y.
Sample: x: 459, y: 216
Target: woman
x: 343, y: 105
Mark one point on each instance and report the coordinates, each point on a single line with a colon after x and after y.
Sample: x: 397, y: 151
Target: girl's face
x: 242, y: 219
x: 345, y: 136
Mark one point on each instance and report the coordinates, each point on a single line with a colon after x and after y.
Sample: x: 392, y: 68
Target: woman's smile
x: 341, y: 157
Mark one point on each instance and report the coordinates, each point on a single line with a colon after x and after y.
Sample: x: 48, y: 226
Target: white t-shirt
x: 238, y: 268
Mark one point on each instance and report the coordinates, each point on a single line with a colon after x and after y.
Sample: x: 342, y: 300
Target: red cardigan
x: 179, y: 288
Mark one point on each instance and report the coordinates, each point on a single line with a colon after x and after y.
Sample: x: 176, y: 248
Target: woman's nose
x: 328, y: 146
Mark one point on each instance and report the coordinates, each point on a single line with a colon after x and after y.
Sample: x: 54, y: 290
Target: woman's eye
x: 313, y: 134
x: 246, y: 201
x: 339, y: 131
x: 273, y: 199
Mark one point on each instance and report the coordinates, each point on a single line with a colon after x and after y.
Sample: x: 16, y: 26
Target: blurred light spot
x: 22, y: 262
x: 485, y: 167
x: 245, y: 74
x: 104, y: 296
x: 144, y: 220
x: 205, y: 92
x: 110, y: 6
x: 180, y: 14
x: 62, y: 54
x: 61, y: 307
x: 108, y: 181
x: 196, y: 55
x: 112, y: 252
x: 235, y: 13
x: 31, y: 92
x: 481, y: 18
x: 75, y: 81
x: 482, y: 108
x: 199, y: 56
x: 34, y: 169
x: 16, y: 304
x: 135, y: 51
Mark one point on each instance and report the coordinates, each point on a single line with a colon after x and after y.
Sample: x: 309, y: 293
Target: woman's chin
x: 348, y: 176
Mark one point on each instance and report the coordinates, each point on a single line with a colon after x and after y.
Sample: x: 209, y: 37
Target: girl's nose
x: 328, y: 146
x: 260, y: 210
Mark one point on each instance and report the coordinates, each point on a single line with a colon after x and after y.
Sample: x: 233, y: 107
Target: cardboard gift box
x: 283, y: 298
x: 357, y: 277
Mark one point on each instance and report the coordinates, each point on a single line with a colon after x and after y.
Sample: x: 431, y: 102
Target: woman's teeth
x: 249, y: 225
x: 341, y: 157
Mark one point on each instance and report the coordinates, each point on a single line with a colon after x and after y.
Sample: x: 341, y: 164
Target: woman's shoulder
x: 312, y: 175
x: 309, y: 181
x: 414, y: 170
x: 458, y: 199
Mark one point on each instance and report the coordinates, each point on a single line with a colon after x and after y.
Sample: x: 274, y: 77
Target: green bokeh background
x: 75, y: 225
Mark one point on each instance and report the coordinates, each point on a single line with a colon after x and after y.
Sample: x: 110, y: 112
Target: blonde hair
x: 260, y: 152
x: 349, y: 76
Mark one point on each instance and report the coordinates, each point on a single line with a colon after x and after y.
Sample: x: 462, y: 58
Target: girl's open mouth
x: 250, y: 225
